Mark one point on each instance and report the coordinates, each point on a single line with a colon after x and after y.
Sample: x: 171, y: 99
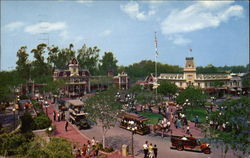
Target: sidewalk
x: 73, y: 134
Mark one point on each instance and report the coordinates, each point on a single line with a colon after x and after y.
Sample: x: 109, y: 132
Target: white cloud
x: 133, y: 10
x: 45, y: 27
x: 14, y: 25
x: 179, y: 40
x: 200, y: 15
x: 106, y: 33
x: 84, y: 1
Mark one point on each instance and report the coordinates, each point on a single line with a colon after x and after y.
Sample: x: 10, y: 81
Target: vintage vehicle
x: 139, y: 121
x: 77, y: 115
x: 189, y: 143
x: 62, y: 105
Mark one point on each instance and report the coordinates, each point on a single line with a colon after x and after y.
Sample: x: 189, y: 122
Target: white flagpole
x: 156, y: 54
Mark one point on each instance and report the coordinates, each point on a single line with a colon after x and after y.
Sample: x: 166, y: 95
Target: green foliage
x: 27, y: 123
x: 210, y: 69
x: 167, y: 88
x: 57, y: 147
x: 23, y: 65
x: 236, y: 115
x: 194, y: 95
x: 246, y: 83
x: 108, y: 63
x: 136, y: 88
x: 146, y: 67
x: 201, y: 112
x: 88, y: 58
x: 54, y: 86
x: 103, y: 109
x: 42, y: 121
x: 217, y: 83
x: 8, y: 80
x: 145, y: 97
x: 39, y: 67
x: 11, y: 143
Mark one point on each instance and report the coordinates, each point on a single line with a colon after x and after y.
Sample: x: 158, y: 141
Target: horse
x: 158, y: 127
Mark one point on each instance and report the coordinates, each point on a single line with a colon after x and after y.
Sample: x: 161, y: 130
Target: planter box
x: 107, y: 153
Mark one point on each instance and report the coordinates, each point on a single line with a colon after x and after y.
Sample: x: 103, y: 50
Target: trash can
x: 124, y: 150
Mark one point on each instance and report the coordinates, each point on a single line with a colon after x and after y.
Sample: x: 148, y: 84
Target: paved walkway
x: 73, y: 134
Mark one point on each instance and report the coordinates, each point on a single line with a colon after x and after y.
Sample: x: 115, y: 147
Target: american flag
x: 190, y: 49
x: 156, y: 46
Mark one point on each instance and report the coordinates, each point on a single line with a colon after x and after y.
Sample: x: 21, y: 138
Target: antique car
x: 189, y: 143
x: 61, y: 105
x: 77, y: 115
x: 138, y: 120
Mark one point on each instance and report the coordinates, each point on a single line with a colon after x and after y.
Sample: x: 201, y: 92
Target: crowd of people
x: 89, y: 150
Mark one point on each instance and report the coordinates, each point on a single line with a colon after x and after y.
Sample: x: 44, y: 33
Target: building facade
x: 230, y: 82
x: 121, y: 80
x: 77, y: 81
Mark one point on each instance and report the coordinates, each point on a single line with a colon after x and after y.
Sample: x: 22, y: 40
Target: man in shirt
x: 145, y: 149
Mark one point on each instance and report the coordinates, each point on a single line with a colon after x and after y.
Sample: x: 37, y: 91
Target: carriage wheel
x: 179, y: 148
x: 207, y: 151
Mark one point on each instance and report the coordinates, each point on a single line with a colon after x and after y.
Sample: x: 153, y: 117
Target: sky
x: 216, y: 31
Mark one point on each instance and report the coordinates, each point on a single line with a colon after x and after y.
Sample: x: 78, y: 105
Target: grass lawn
x: 153, y: 118
x: 197, y: 111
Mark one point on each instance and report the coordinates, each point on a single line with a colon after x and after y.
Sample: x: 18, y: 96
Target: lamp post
x: 132, y: 127
x: 46, y: 106
x: 14, y: 117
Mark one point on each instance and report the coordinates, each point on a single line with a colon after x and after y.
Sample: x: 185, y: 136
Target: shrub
x: 42, y: 121
x: 27, y: 123
x: 108, y: 149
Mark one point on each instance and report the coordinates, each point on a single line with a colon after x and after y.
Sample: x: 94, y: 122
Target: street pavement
x: 116, y: 137
x: 73, y: 134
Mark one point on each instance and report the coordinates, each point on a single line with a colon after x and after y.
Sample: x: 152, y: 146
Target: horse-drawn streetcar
x: 139, y: 121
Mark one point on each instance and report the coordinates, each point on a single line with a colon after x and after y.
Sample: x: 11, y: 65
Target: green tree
x: 103, y: 109
x: 195, y: 96
x: 235, y: 115
x: 57, y: 147
x: 53, y: 58
x: 40, y: 67
x: 166, y: 88
x: 27, y: 122
x: 88, y: 58
x: 8, y: 81
x: 54, y: 86
x: 22, y: 64
x: 108, y: 63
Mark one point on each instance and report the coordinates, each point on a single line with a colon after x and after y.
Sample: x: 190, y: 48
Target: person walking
x: 151, y: 151
x: 58, y: 117
x: 54, y: 115
x: 66, y: 126
x: 188, y: 132
x: 84, y: 150
x: 145, y: 149
x: 93, y: 142
x: 155, y: 151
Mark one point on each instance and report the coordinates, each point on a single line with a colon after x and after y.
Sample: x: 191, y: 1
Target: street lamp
x: 132, y: 127
x: 14, y: 117
x: 46, y: 106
